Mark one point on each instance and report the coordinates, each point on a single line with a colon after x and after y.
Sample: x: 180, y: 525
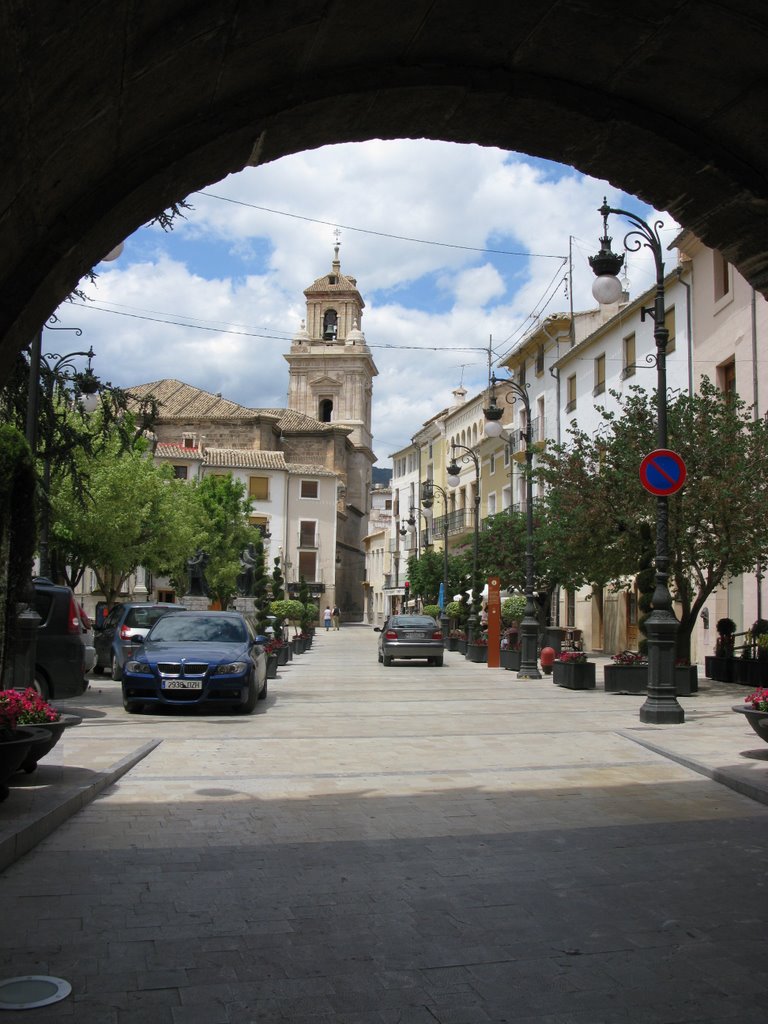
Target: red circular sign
x: 662, y: 472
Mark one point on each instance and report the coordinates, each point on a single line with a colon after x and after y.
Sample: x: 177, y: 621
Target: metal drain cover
x: 32, y: 990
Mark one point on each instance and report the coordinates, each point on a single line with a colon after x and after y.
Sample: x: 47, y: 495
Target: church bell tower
x: 331, y: 367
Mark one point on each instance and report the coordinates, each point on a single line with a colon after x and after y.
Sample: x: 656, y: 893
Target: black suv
x: 60, y: 659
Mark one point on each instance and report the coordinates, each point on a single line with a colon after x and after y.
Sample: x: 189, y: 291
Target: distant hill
x: 381, y: 476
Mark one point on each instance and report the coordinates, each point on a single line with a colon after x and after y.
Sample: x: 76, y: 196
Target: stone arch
x: 117, y: 129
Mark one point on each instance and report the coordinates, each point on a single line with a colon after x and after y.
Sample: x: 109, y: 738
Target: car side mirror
x: 377, y: 629
x: 261, y: 640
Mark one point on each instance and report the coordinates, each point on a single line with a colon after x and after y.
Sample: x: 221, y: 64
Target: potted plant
x: 755, y: 709
x: 720, y: 666
x: 30, y: 709
x: 15, y: 743
x: 477, y: 651
x: 629, y: 674
x: 509, y: 654
x: 457, y: 638
x: 573, y: 671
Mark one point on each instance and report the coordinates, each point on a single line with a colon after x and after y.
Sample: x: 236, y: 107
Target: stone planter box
x: 750, y: 671
x: 477, y: 653
x: 574, y: 675
x: 450, y: 643
x: 634, y: 679
x: 461, y: 646
x: 723, y: 670
x: 509, y: 660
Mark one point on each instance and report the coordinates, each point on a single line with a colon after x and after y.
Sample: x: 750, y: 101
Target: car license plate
x: 417, y: 636
x: 182, y: 684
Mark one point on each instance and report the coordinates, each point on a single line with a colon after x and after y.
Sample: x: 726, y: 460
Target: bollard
x: 547, y: 659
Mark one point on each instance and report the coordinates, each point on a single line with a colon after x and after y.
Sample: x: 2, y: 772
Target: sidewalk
x: 404, y: 844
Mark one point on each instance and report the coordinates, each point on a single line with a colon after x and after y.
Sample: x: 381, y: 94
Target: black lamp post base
x: 662, y: 712
x: 529, y: 636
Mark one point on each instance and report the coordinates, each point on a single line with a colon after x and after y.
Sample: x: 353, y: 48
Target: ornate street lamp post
x: 661, y: 706
x: 453, y: 477
x: 47, y: 372
x: 529, y: 626
x: 428, y: 500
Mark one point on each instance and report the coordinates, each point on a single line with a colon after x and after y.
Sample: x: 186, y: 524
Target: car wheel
x: 98, y: 670
x: 387, y: 660
x: 41, y: 685
x: 114, y: 670
x: 438, y: 662
x: 263, y: 693
x: 250, y: 702
x: 380, y: 658
x: 133, y: 707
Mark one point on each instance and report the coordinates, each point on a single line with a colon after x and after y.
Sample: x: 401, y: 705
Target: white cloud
x: 230, y: 265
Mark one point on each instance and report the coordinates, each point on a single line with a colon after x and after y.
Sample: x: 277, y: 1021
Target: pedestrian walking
x: 327, y: 618
x: 336, y: 616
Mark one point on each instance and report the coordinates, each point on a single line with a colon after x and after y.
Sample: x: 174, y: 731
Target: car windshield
x: 198, y: 629
x: 144, y: 618
x: 413, y: 621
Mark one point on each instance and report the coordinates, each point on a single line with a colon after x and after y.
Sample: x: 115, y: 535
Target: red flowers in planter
x: 758, y: 700
x: 573, y: 658
x: 24, y: 708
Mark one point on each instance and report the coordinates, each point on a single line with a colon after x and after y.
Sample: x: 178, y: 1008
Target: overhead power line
x: 383, y: 234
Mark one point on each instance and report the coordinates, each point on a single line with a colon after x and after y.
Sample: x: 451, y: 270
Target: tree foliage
x: 131, y: 513
x: 225, y: 534
x: 599, y: 516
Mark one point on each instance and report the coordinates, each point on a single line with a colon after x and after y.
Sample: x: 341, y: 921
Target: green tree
x: 425, y: 575
x: 225, y: 533
x: 599, y: 515
x: 131, y: 513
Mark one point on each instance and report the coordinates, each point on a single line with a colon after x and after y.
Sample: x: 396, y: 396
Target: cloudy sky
x: 453, y: 247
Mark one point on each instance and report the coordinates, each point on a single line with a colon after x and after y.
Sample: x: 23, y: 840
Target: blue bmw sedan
x: 192, y: 658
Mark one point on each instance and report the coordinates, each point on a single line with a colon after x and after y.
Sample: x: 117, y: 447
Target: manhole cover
x: 31, y: 990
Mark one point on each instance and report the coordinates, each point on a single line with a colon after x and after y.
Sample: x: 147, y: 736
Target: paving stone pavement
x: 405, y: 844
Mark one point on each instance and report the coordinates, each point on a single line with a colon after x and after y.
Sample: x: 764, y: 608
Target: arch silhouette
x: 109, y: 119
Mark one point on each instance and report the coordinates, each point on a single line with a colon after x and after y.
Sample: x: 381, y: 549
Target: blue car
x: 192, y: 658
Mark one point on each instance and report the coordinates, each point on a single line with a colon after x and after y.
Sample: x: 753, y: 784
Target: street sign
x: 662, y: 472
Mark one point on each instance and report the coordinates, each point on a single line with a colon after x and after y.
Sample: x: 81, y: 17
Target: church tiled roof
x: 179, y: 401
x: 170, y: 450
x: 244, y: 458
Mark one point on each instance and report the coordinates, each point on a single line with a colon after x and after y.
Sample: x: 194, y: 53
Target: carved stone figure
x: 245, y: 578
x: 197, y: 584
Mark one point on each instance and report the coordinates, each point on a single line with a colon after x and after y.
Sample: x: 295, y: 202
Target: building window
x: 540, y: 431
x: 492, y: 462
x: 570, y: 608
x: 188, y: 441
x: 539, y: 360
x: 669, y: 323
x: 309, y: 489
x: 727, y: 377
x: 492, y: 504
x: 307, y: 533
x: 325, y: 410
x: 570, y: 393
x: 599, y: 387
x: 722, y: 281
x: 260, y: 523
x: 506, y: 455
x: 308, y: 566
x: 181, y: 472
x: 258, y: 488
x: 521, y: 375
x: 630, y: 355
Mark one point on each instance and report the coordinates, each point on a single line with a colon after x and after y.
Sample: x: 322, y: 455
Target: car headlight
x: 140, y: 668
x: 234, y: 668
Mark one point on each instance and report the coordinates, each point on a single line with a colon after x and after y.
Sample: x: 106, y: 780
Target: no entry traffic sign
x: 662, y: 472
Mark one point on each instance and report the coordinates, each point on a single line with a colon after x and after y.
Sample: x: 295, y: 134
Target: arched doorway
x: 117, y: 129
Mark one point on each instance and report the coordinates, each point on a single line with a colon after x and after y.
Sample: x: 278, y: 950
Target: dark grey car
x: 410, y: 636
x: 60, y: 659
x: 114, y: 637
